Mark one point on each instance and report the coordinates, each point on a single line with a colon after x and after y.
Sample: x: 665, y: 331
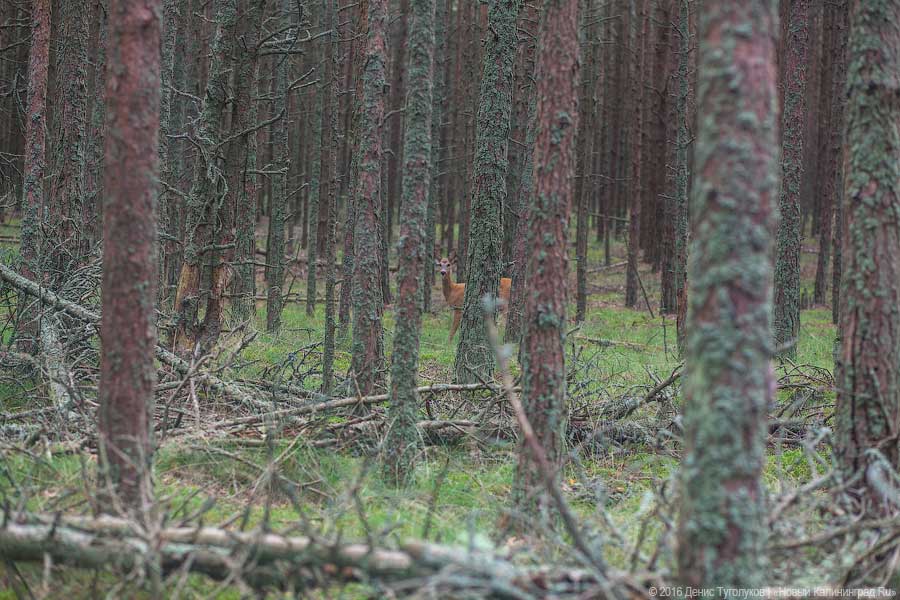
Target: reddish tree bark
x: 35, y: 159
x: 543, y: 351
x: 127, y: 370
x: 367, y: 352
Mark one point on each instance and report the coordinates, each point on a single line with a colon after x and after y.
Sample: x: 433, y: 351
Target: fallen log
x: 164, y: 356
x: 268, y: 560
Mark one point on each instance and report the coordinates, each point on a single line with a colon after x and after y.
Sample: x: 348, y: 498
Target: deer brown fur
x: 455, y: 293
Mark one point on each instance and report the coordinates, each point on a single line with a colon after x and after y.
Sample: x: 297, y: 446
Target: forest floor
x: 461, y: 492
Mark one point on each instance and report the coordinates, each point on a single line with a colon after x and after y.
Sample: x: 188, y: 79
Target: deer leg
x: 457, y: 317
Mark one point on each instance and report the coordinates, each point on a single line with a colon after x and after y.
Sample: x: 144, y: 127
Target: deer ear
x: 437, y: 263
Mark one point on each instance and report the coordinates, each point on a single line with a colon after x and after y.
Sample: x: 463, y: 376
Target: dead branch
x: 268, y: 560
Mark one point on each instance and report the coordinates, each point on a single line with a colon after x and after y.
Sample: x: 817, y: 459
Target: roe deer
x: 454, y: 293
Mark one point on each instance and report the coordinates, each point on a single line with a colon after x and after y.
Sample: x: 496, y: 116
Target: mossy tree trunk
x: 836, y: 149
x: 396, y: 121
x: 347, y: 264
x: 584, y: 153
x: 242, y: 162
x: 542, y: 351
x: 367, y: 350
x: 35, y: 163
x: 729, y: 381
x: 437, y: 147
x: 66, y: 201
x: 127, y: 369
x: 330, y: 150
x: 639, y: 20
x: 414, y: 256
x: 278, y: 201
x: 521, y: 197
x: 207, y: 174
x: 682, y: 178
x: 474, y: 356
x: 318, y: 170
x: 867, y: 410
x: 787, y: 256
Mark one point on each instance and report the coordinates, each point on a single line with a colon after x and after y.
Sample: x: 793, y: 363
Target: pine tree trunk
x: 787, y: 256
x: 242, y: 163
x: 278, y: 201
x: 401, y: 440
x: 836, y: 149
x: 543, y: 351
x: 35, y: 164
x: 474, y: 356
x: 66, y: 202
x: 729, y: 380
x: 682, y: 176
x: 583, y: 154
x: 396, y: 122
x: 437, y: 137
x: 330, y: 150
x: 187, y: 296
x: 639, y: 8
x: 318, y: 170
x: 367, y: 352
x: 359, y: 47
x: 867, y: 409
x: 127, y: 369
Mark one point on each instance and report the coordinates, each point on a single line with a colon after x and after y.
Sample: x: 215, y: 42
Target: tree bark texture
x: 787, y: 258
x: 542, y: 351
x: 867, y: 410
x: 483, y: 264
x: 401, y: 441
x: 367, y: 351
x: 130, y: 277
x: 729, y: 380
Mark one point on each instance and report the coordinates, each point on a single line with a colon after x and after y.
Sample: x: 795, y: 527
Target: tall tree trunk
x: 543, y: 350
x: 396, y: 122
x: 437, y: 147
x: 867, y: 410
x: 201, y: 199
x: 787, y: 256
x: 682, y: 176
x: 414, y: 256
x: 317, y: 171
x: 127, y: 369
x: 330, y: 149
x: 66, y: 202
x: 836, y: 149
x: 347, y: 265
x: 584, y: 163
x: 639, y: 8
x: 242, y: 159
x: 516, y: 313
x: 35, y: 164
x: 474, y: 356
x: 278, y: 202
x: 822, y: 190
x: 729, y: 380
x: 367, y: 351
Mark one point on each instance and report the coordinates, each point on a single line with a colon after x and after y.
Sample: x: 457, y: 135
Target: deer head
x: 444, y: 264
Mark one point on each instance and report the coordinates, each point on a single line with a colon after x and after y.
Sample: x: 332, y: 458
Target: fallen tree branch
x: 269, y: 560
x: 79, y: 312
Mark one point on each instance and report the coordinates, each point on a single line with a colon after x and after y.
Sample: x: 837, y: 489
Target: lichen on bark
x: 867, y: 410
x: 729, y: 380
x: 787, y: 259
x: 401, y: 441
x: 474, y: 357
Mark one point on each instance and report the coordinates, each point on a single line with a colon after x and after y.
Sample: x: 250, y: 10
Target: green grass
x: 462, y: 492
